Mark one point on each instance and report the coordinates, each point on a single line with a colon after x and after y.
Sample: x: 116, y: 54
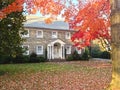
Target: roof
x: 38, y: 22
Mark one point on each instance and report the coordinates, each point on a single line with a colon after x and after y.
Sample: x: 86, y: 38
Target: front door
x: 56, y: 51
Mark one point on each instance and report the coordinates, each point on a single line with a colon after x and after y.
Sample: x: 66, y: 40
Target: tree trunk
x: 115, y: 31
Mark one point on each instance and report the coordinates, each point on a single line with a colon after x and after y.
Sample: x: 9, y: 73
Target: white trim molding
x: 54, y: 34
x: 39, y: 33
x: 26, y: 47
x: 79, y: 51
x: 67, y: 35
x: 26, y: 34
x: 68, y: 49
x: 39, y: 49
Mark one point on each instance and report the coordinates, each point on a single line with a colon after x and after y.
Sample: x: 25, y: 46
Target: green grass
x: 39, y: 67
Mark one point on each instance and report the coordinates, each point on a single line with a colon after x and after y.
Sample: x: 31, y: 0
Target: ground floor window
x: 26, y: 49
x: 68, y: 49
x: 39, y: 49
x: 79, y: 51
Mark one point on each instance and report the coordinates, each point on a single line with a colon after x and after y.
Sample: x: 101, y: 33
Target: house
x: 53, y: 39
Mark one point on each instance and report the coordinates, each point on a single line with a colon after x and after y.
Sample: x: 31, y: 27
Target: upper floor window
x: 39, y: 34
x: 26, y: 34
x: 39, y: 49
x: 68, y: 35
x: 54, y: 34
x: 117, y: 4
x: 68, y: 49
x: 26, y: 49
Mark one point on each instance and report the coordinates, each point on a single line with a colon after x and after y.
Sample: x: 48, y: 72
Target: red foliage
x: 91, y: 20
x: 17, y: 5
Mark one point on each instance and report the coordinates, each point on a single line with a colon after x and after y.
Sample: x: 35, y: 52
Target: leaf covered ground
x: 75, y: 75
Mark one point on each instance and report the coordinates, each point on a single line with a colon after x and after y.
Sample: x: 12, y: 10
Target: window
x: 26, y: 34
x: 118, y: 4
x: 54, y: 34
x: 79, y: 51
x: 26, y: 49
x: 68, y: 49
x: 39, y: 34
x: 39, y: 49
x: 68, y: 35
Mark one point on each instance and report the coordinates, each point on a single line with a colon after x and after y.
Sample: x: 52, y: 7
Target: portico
x: 56, y: 50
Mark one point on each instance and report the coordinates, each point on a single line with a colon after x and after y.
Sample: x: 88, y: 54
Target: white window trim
x: 27, y: 35
x: 38, y: 36
x: 27, y: 51
x: 68, y: 52
x: 39, y: 53
x: 66, y: 35
x: 79, y: 51
x: 56, y: 34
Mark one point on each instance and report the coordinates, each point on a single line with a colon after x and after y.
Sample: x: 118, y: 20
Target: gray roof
x: 35, y: 21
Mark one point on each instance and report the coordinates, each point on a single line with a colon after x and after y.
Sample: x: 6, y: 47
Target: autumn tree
x: 10, y: 27
x: 90, y: 18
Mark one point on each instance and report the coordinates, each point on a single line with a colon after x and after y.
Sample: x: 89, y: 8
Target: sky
x: 39, y: 14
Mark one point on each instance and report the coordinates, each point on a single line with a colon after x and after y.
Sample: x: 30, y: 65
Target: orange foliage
x: 17, y: 5
x: 48, y: 20
x: 91, y: 20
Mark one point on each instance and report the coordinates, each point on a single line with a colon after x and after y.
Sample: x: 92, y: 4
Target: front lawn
x: 79, y: 75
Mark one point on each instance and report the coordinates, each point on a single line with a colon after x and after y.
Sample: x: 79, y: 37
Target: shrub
x: 85, y: 55
x: 33, y: 55
x: 42, y: 59
x: 20, y: 59
x: 76, y: 56
x: 105, y: 55
x: 4, y: 59
x: 96, y: 52
x: 45, y: 54
x: 70, y: 58
x: 34, y: 58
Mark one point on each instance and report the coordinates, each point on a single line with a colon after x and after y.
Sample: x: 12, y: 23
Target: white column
x: 63, y: 52
x: 48, y: 52
x: 52, y: 52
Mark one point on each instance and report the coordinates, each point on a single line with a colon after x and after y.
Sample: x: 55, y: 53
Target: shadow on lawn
x: 2, y: 73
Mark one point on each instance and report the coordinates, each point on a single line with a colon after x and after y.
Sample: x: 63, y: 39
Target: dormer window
x: 68, y: 35
x: 39, y: 34
x: 54, y: 34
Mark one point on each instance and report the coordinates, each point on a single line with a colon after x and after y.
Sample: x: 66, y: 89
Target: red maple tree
x: 90, y: 20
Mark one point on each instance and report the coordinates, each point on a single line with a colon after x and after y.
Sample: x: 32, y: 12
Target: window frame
x: 39, y: 36
x: 37, y: 52
x: 79, y: 51
x: 55, y: 36
x: 66, y: 35
x: 27, y: 52
x: 70, y: 49
x: 27, y: 35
